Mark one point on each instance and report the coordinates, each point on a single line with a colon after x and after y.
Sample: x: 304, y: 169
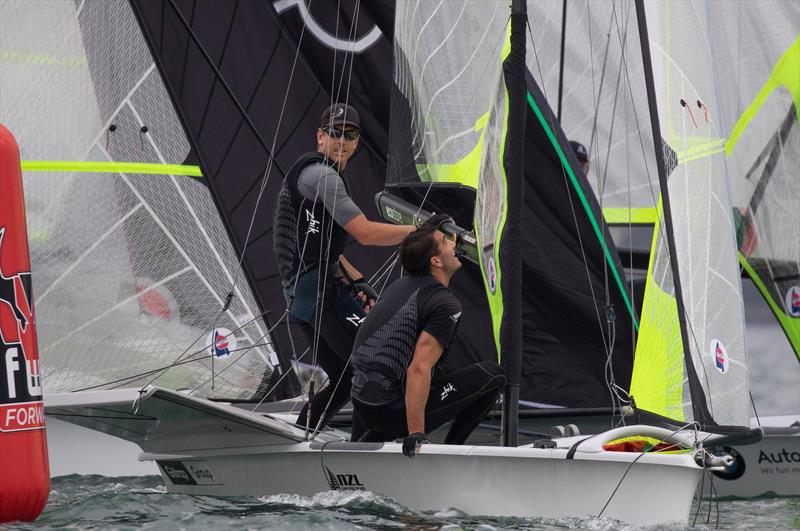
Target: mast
x: 699, y: 406
x: 511, y: 328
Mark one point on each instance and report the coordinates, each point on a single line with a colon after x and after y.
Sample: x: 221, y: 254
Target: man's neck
x: 441, y: 276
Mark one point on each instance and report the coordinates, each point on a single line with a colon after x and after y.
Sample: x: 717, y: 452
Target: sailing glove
x: 437, y: 220
x: 361, y: 285
x: 412, y: 443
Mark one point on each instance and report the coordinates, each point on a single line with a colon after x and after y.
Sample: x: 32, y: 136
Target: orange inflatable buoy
x: 24, y: 470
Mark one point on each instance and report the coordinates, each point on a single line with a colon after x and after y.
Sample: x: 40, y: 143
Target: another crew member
x: 399, y: 387
x: 581, y: 154
x: 326, y: 295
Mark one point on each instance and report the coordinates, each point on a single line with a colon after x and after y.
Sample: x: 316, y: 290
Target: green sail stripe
x: 790, y: 325
x: 26, y: 58
x: 110, y: 167
x: 585, y: 204
x: 657, y: 378
x: 786, y: 73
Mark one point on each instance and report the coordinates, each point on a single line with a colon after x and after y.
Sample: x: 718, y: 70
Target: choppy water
x: 96, y: 502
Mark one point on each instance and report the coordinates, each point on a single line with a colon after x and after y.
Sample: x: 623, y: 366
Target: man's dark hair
x: 417, y: 249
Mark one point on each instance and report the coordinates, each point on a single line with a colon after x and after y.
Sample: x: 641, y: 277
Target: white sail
x: 687, y: 91
x: 130, y: 271
x: 453, y: 81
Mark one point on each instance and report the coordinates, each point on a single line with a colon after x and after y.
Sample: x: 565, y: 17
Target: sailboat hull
x: 519, y: 482
x: 768, y: 467
x: 209, y: 448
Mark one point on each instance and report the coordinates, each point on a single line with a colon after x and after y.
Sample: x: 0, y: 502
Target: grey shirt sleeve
x: 323, y: 182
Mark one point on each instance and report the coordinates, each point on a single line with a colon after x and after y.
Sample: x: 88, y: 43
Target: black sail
x: 249, y: 80
x: 569, y: 323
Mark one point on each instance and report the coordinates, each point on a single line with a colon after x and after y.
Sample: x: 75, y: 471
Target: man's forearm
x: 388, y: 234
x: 368, y: 232
x: 418, y: 386
x: 349, y: 268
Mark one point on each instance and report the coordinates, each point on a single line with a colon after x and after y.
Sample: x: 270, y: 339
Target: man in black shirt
x: 326, y: 295
x: 400, y: 388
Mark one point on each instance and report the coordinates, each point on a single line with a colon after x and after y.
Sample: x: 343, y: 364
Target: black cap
x: 340, y: 114
x: 580, y: 151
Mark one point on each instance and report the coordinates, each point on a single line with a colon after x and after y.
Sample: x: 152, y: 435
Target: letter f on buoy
x: 24, y: 470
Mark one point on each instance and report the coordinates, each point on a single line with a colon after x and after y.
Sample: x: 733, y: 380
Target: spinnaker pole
x: 511, y: 251
x: 700, y: 408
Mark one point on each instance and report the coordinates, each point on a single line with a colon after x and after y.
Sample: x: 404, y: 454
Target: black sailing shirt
x: 386, y: 340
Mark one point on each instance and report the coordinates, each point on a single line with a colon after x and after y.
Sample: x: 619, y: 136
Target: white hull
x: 207, y: 448
x: 771, y: 466
x: 492, y: 481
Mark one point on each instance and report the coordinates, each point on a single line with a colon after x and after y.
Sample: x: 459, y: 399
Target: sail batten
x: 132, y: 271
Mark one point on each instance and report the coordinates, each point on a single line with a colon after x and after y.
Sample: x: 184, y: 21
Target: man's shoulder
x: 430, y: 291
x: 315, y: 170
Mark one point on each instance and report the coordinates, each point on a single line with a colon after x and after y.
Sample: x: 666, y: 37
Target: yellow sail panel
x: 658, y: 367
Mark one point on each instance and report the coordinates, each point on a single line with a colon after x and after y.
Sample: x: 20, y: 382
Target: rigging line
x: 351, y: 37
x: 699, y: 407
x: 297, y: 275
x: 270, y: 150
x: 199, y: 224
x: 385, y: 275
x: 236, y: 360
x: 574, y: 215
x: 630, y: 225
x: 382, y: 266
x: 276, y: 384
x: 174, y: 242
x: 660, y: 226
x: 561, y: 58
x: 335, y: 50
x: 322, y: 277
x: 634, y: 462
x: 602, y: 182
x: 87, y: 252
x: 200, y: 354
x: 598, y: 95
x: 317, y: 428
x: 192, y: 358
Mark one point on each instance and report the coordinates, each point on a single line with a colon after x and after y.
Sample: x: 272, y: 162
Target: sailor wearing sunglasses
x: 327, y: 296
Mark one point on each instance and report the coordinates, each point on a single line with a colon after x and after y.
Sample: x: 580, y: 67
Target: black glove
x: 437, y: 220
x: 362, y: 285
x: 412, y: 442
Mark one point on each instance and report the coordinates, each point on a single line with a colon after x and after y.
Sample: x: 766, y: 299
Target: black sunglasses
x: 335, y: 132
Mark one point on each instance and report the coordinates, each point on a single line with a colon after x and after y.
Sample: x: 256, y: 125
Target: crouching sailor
x: 326, y: 295
x: 400, y: 389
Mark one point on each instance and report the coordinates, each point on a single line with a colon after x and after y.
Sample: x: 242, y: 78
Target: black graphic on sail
x: 250, y: 80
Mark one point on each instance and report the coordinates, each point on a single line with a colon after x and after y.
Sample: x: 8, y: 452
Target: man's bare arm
x: 418, y: 380
x: 349, y: 268
x: 368, y: 232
